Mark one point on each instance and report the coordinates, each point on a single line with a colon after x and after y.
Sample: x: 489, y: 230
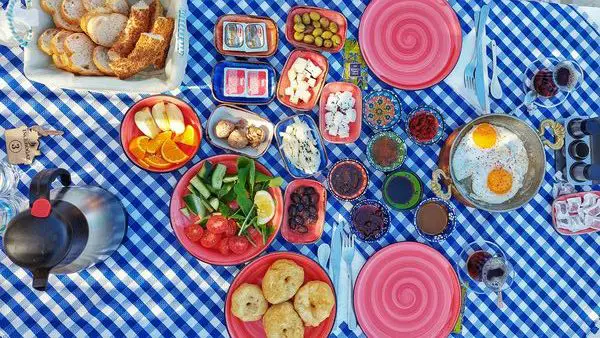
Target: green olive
x: 314, y: 16
x: 324, y: 22
x: 317, y: 32
x: 309, y: 39
x: 298, y: 36
x: 305, y: 18
x: 336, y: 39
x: 333, y: 27
x: 309, y: 30
x: 327, y: 35
x: 297, y: 19
x: 319, y: 41
x: 327, y: 44
x: 299, y: 27
x: 316, y: 24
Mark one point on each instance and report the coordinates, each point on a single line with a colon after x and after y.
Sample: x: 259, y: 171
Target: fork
x: 470, y: 69
x: 348, y: 256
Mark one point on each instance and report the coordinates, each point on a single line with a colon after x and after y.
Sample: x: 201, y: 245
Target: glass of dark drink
x: 567, y: 75
x: 478, y: 266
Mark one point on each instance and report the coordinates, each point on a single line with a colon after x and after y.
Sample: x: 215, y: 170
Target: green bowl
x: 416, y: 195
x: 398, y: 140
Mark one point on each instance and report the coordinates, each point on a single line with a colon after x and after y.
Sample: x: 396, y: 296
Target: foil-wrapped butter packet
x: 244, y: 37
x: 256, y: 36
x: 233, y: 35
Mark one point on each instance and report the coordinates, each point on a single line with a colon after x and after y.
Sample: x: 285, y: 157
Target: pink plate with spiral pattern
x: 410, y: 44
x: 407, y: 289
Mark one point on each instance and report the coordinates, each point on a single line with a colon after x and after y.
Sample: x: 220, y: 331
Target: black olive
x: 296, y: 198
x: 312, y: 210
x: 291, y: 223
x: 306, y: 200
x: 314, y: 199
x: 309, y: 191
x: 299, y: 191
x: 299, y: 207
x: 299, y: 220
x: 292, y: 210
x: 302, y: 229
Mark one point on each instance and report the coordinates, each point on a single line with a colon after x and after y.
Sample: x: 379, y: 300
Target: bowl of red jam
x: 424, y: 125
x: 386, y: 151
x: 348, y: 180
x: 369, y: 220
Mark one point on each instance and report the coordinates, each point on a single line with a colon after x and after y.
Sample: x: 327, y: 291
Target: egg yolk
x: 499, y: 181
x: 484, y: 135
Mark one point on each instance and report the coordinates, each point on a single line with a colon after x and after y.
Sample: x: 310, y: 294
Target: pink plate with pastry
x: 253, y: 273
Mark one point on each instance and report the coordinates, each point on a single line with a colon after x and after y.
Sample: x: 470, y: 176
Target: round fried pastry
x: 282, y: 280
x: 314, y: 302
x: 281, y: 321
x: 248, y: 303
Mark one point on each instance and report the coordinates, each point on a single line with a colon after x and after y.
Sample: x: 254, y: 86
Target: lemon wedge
x: 265, y: 206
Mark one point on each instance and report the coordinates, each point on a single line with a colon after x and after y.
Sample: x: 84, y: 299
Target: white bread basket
x: 38, y: 66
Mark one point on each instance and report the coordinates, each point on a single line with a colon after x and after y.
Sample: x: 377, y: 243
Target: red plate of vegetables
x: 227, y: 209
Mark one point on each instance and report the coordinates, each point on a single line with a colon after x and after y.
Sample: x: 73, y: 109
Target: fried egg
x: 496, y: 161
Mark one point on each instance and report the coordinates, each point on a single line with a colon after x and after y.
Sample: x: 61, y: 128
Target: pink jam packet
x: 573, y: 205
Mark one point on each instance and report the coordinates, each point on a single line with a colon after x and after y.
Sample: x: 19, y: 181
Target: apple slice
x: 175, y: 119
x: 159, y: 113
x: 145, y: 123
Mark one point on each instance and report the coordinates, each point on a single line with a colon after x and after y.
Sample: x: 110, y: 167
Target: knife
x: 481, y: 71
x: 336, y: 254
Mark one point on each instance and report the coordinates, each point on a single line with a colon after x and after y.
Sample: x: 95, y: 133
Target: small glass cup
x: 487, y: 250
x: 547, y: 71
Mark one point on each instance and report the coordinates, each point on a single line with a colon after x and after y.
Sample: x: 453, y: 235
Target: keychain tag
x: 22, y: 144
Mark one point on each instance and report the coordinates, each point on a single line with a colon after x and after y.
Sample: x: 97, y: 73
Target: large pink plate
x: 407, y: 289
x: 410, y: 44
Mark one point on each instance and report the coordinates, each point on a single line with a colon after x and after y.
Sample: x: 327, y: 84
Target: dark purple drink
x: 543, y: 83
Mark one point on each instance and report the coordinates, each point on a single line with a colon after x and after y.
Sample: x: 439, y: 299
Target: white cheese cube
x: 294, y: 84
x: 299, y: 65
x: 303, y: 85
x: 289, y: 91
x: 305, y: 96
x: 291, y: 74
x: 294, y: 99
x: 314, y: 70
x: 301, y: 76
x: 351, y: 115
x: 312, y: 83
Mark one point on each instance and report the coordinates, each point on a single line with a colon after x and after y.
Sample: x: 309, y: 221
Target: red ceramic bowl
x: 316, y: 58
x: 129, y: 130
x: 356, y: 126
x: 334, y: 16
x: 253, y: 274
x: 179, y: 222
x: 316, y: 230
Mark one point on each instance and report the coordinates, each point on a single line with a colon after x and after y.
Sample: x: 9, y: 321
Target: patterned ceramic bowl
x: 451, y: 221
x: 381, y: 110
x: 412, y: 127
x: 401, y: 151
x: 374, y: 203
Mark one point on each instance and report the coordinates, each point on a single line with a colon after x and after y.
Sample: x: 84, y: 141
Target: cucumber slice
x: 202, y: 212
x: 200, y: 187
x: 185, y: 212
x: 205, y: 171
x: 217, y: 176
x: 193, y: 203
x: 214, y: 203
x: 225, y: 189
x: 207, y: 207
x: 230, y: 179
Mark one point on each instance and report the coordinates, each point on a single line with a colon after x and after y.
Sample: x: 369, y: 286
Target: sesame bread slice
x: 72, y: 11
x: 93, y: 4
x: 156, y: 11
x: 79, y: 48
x: 100, y: 58
x: 50, y: 6
x: 144, y: 54
x: 45, y: 39
x: 137, y: 23
x: 60, y: 22
x: 105, y: 29
x: 164, y: 27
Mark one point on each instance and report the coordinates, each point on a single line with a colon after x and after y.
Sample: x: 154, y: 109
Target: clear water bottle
x: 9, y: 178
x: 10, y: 206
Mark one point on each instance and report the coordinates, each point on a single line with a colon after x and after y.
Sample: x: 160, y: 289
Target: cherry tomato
x: 234, y: 205
x: 216, y: 224
x: 223, y: 246
x: 232, y: 228
x: 256, y: 237
x: 194, y: 232
x: 238, y: 244
x: 210, y: 240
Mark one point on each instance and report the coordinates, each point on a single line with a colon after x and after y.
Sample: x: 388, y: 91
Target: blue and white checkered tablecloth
x: 152, y: 287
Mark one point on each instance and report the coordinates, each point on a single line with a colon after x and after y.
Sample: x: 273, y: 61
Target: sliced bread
x: 145, y: 53
x: 93, y: 4
x: 105, y: 29
x: 79, y: 48
x: 72, y: 10
x: 57, y: 43
x: 59, y: 62
x: 90, y: 14
x: 156, y: 11
x: 119, y: 6
x: 50, y: 6
x: 137, y: 23
x: 45, y: 39
x: 61, y: 22
x: 164, y: 27
x: 100, y: 58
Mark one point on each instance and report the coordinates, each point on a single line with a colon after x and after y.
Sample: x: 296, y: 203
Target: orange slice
x: 156, y: 161
x: 188, y: 137
x: 171, y: 152
x: 142, y: 162
x: 157, y: 142
x: 138, y: 146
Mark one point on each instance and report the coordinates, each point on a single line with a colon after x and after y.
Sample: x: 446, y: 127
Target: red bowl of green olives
x: 316, y: 28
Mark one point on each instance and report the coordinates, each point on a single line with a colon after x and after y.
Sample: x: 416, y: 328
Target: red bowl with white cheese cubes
x: 340, y: 112
x: 302, y: 79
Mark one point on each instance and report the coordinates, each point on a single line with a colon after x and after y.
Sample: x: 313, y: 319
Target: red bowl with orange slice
x: 180, y: 222
x: 167, y: 151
